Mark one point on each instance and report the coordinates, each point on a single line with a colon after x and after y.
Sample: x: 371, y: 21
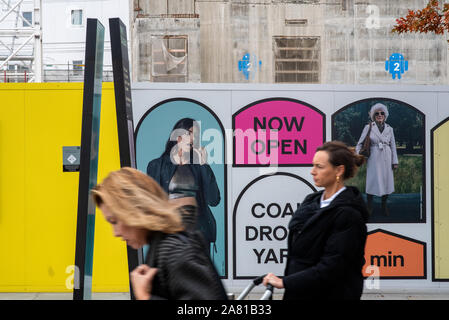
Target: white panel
x: 226, y: 99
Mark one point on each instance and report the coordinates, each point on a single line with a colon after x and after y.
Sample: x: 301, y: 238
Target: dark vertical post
x: 90, y: 132
x: 123, y: 103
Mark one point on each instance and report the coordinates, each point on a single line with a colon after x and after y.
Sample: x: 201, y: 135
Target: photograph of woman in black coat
x: 327, y: 234
x: 183, y: 172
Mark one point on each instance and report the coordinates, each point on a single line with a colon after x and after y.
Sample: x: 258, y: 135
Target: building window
x: 76, y: 17
x: 297, y: 59
x: 77, y: 66
x: 169, y: 58
x: 28, y: 16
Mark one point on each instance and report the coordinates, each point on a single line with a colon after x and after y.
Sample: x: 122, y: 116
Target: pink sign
x: 277, y: 132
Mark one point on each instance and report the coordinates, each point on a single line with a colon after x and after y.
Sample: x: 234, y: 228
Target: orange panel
x: 396, y: 256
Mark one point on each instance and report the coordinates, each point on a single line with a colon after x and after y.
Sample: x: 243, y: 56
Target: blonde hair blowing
x: 137, y: 200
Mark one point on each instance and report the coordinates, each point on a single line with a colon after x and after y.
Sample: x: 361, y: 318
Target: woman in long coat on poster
x: 383, y: 157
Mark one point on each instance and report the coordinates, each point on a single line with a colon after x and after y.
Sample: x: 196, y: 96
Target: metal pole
x: 20, y: 15
x: 10, y: 10
x: 123, y: 102
x: 17, y: 50
x: 90, y: 135
x: 38, y: 40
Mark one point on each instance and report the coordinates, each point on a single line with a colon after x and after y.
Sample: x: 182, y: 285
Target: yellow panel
x: 38, y: 200
x: 12, y: 232
x: 52, y: 120
x: 110, y: 269
x: 441, y: 201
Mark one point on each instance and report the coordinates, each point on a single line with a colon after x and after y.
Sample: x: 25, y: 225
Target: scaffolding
x: 21, y: 39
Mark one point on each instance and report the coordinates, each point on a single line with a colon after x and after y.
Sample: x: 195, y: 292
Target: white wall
x: 62, y: 42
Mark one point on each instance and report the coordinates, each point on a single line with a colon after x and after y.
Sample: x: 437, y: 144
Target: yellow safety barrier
x: 441, y: 201
x: 38, y: 201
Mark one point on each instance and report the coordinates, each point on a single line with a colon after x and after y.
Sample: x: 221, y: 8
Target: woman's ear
x: 340, y: 170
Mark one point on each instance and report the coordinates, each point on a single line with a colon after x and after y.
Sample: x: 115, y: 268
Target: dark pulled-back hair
x: 183, y: 124
x: 340, y: 154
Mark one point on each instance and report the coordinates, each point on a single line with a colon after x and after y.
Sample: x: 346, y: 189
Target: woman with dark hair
x: 183, y: 172
x: 327, y: 234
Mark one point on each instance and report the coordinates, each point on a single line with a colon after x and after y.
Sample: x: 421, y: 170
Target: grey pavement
x: 61, y: 296
x: 255, y: 296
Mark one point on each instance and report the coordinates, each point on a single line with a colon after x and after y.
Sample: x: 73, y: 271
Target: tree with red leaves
x: 432, y: 18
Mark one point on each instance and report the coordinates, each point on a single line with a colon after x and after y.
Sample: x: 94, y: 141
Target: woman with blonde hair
x: 178, y: 266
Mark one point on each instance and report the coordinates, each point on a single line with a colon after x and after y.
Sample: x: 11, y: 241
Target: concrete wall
x: 360, y: 40
x: 166, y: 6
x: 355, y: 38
x: 145, y: 28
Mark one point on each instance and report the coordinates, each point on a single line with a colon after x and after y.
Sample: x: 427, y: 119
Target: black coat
x: 162, y: 170
x: 326, y: 248
x: 185, y: 271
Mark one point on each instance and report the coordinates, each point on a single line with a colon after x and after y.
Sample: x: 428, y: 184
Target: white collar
x: 325, y: 203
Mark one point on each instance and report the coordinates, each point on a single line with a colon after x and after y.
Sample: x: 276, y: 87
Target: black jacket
x: 326, y: 248
x: 185, y: 271
x: 162, y: 170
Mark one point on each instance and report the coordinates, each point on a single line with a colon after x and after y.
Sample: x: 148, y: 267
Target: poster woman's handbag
x: 365, y: 150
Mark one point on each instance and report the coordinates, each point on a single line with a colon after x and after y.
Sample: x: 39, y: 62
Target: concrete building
x: 281, y: 41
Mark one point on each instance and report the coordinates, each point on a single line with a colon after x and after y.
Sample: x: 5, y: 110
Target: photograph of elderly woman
x: 392, y: 179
